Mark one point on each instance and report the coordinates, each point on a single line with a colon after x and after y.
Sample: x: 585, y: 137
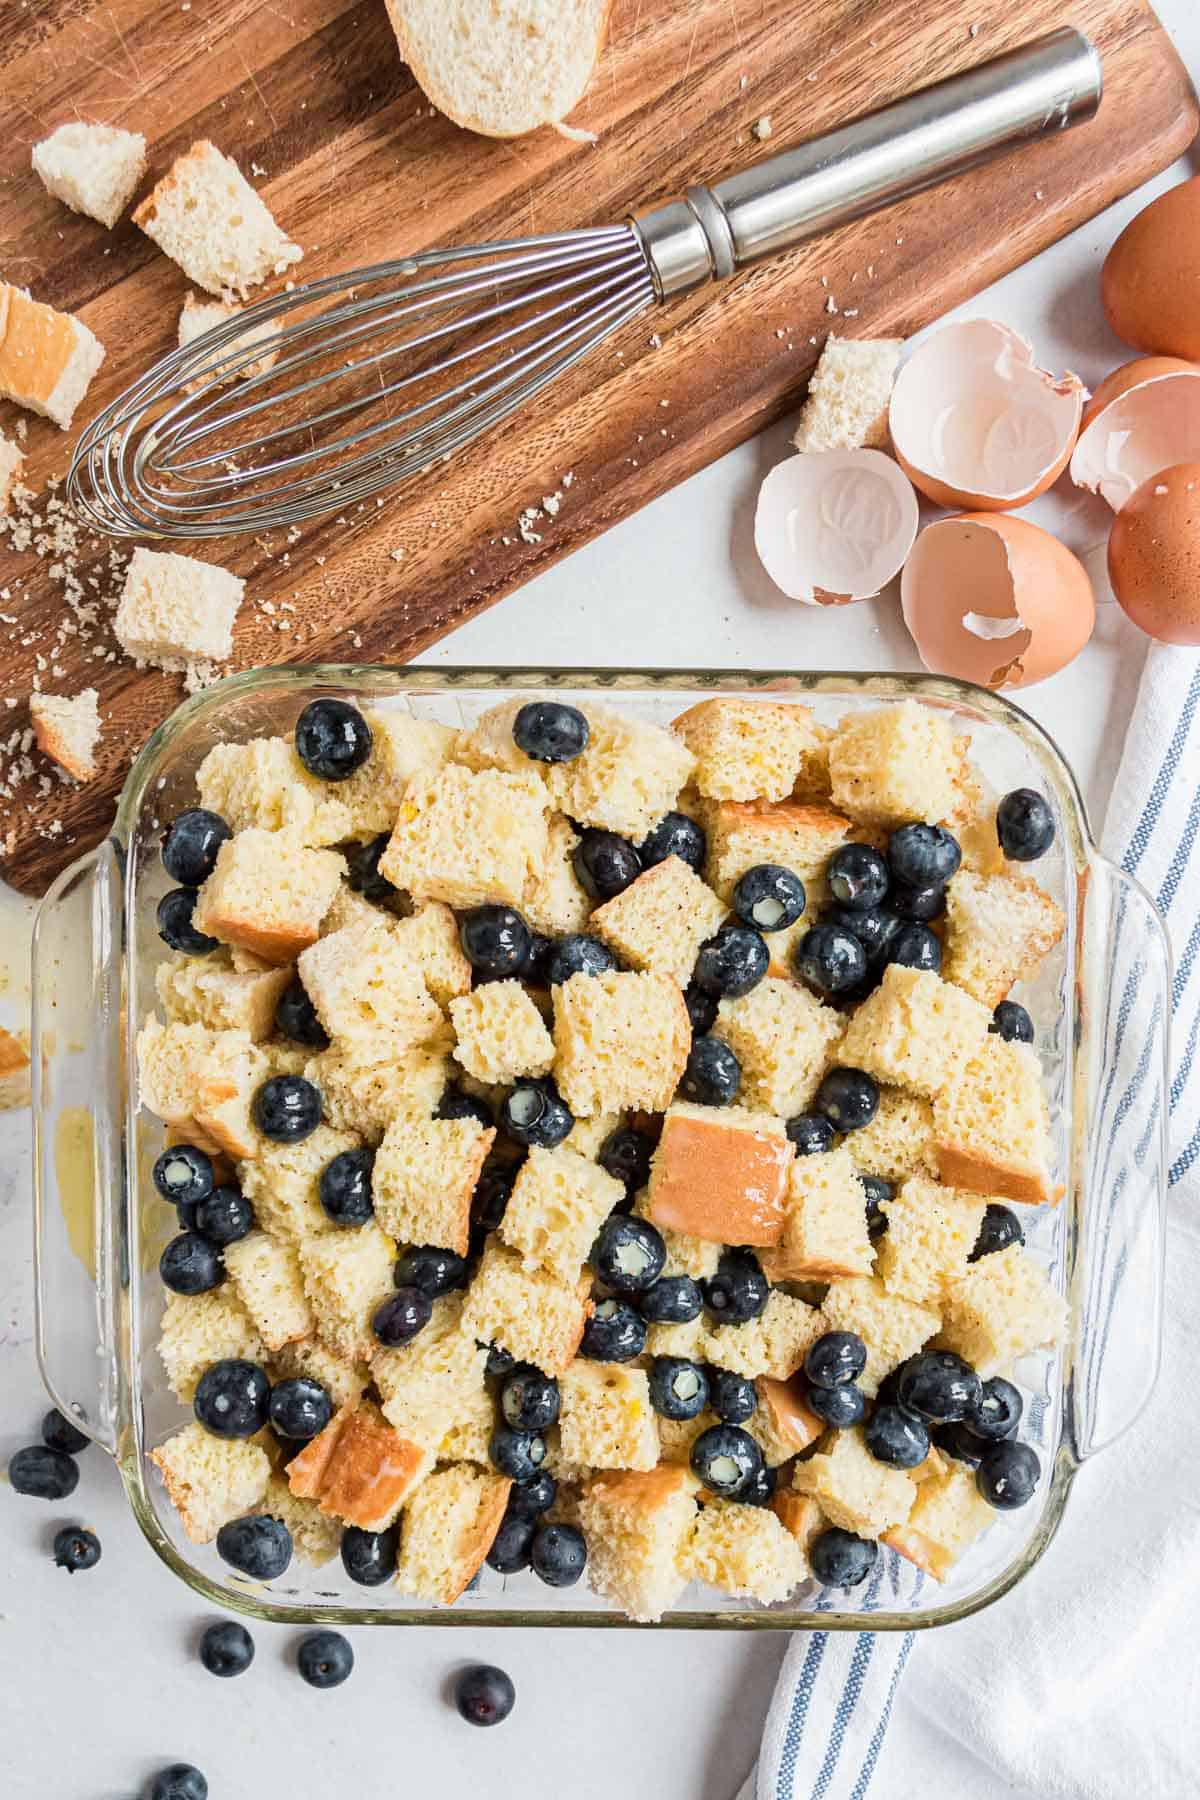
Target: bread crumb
x: 761, y: 128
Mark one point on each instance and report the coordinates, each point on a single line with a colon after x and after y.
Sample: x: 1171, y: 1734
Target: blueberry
x: 726, y: 1459
x: 538, y: 959
x: 232, y: 1398
x: 939, y: 1386
x: 836, y: 1359
x: 559, y: 1555
x: 517, y: 1454
x: 324, y: 1659
x: 362, y: 871
x: 915, y: 947
x: 535, y: 1114
x: 877, y: 1192
x: 332, y: 739
x: 499, y: 1362
x: 1024, y: 825
x: 225, y: 1216
x: 402, y: 1316
x: 732, y: 962
x: 923, y: 855
x: 998, y: 1412
x: 369, y: 1557
x: 186, y: 1212
x: 678, y: 1388
x: 712, y: 1074
x: 550, y: 732
x: 769, y: 897
x: 529, y: 1400
x: 183, y: 1173
x: 484, y: 1695
x: 533, y: 1498
x: 179, y: 1781
x: 960, y: 1442
x: 673, y: 1300
x: 839, y: 1559
x: 628, y: 1254
x: 873, y: 927
x: 296, y: 1017
x: 675, y: 835
x: 1000, y: 1228
x: 512, y: 1543
x: 760, y: 1489
x: 175, y: 926
x: 625, y: 1155
x: 454, y: 1104
x: 849, y: 1098
x: 577, y: 954
x: 345, y: 1187
x: 614, y: 1333
x: 918, y: 903
x: 734, y: 1398
x: 896, y: 1437
x: 889, y: 1388
x: 189, y: 851
x: 43, y: 1473
x: 493, y: 1191
x: 857, y: 877
x: 496, y: 941
x: 58, y: 1433
x: 1012, y: 1023
x: 838, y: 1406
x: 76, y: 1549
x: 190, y: 1264
x: 830, y: 959
x: 701, y: 1008
x: 1008, y: 1475
x: 259, y: 1546
x: 739, y: 1290
x: 811, y: 1133
x: 226, y: 1649
x: 299, y: 1408
x: 434, y: 1271
x: 287, y: 1108
x: 605, y: 864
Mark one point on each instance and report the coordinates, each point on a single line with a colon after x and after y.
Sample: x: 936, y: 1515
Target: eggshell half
x: 976, y: 423
x: 1151, y: 277
x: 833, y: 526
x: 1154, y: 555
x: 1142, y: 418
x: 995, y: 600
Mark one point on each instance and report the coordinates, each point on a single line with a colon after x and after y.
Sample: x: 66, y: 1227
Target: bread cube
x: 746, y: 749
x: 206, y: 217
x: 468, y: 1435
x: 774, y: 1344
x: 198, y: 1330
x: 358, y: 1469
x: 686, y: 1255
x: 800, y: 1515
x: 424, y: 1179
x: 207, y: 990
x: 449, y: 1525
x: 368, y: 992
x: 621, y: 1041
x: 198, y: 317
x: 782, y: 1424
x: 555, y: 903
x: 998, y: 929
x: 898, y: 1141
x: 365, y: 1097
x: 587, y: 1137
x: 202, y: 1082
x: 343, y: 1381
x: 825, y: 1227
x: 676, y: 1436
x: 627, y: 778
x: 315, y: 1535
x: 688, y: 1340
x: 266, y: 1274
x: 973, y: 823
x: 915, y: 1031
x: 283, y: 1183
x: 529, y: 1313
x: 991, y: 1127
x: 893, y: 1329
x: 93, y: 169
x: 895, y: 764
x: 784, y: 1038
x: 347, y: 1274
x: 427, y: 1385
x: 720, y: 1173
x: 66, y: 728
x: 12, y: 463
x: 660, y: 920
x: 559, y: 1202
x: 403, y: 749
x: 468, y: 838
x: 797, y: 836
x: 931, y: 1232
x: 175, y: 610
x: 500, y: 1033
x: 262, y: 784
x: 636, y: 1523
x: 948, y: 1515
x: 852, y: 1489
x: 430, y: 936
x: 170, y: 1061
x: 846, y: 407
x: 488, y: 743
x: 210, y: 1480
x: 606, y: 1421
x: 743, y: 1551
x: 47, y: 358
x: 268, y: 894
x: 1000, y: 1308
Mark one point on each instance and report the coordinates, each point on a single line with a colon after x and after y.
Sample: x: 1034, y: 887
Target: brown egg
x: 1154, y: 555
x: 1142, y: 418
x: 1150, y: 283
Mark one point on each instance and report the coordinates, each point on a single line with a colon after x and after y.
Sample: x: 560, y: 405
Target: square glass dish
x: 1100, y: 1004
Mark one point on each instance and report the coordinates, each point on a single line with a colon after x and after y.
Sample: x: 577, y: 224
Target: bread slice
x: 825, y: 1226
x: 266, y: 1273
x: 660, y: 920
x: 607, y: 1421
x: 784, y: 1038
x: 47, y: 358
x: 358, y: 1469
x: 210, y: 1480
x: 676, y: 1436
x: 559, y: 1202
x: 268, y: 894
x: 12, y: 463
x: 896, y: 764
x: 346, y: 1276
x: 428, y: 1385
x: 792, y: 833
x: 500, y: 1033
x: 176, y: 610
x: 898, y: 1141
x: 998, y: 929
x: 315, y: 1535
x: 747, y: 749
x: 847, y: 403
x: 852, y: 1489
x: 467, y: 1436
x: 991, y: 1127
x: 262, y: 783
x: 201, y: 316
x: 621, y: 1041
x: 720, y: 1173
x: 198, y: 1330
x: 931, y: 1232
x: 206, y: 217
x: 915, y: 1031
x: 743, y: 1551
x: 93, y: 169
x: 424, y: 1178
x: 66, y: 728
x: 947, y: 1517
x: 531, y: 1314
x: 893, y: 1329
x: 369, y: 993
x: 468, y: 837
x: 449, y: 1525
x: 636, y: 1523
x: 208, y: 990
x: 1000, y: 1308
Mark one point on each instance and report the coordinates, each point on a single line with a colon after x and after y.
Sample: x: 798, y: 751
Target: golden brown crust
x: 767, y: 814
x: 719, y: 1181
x: 798, y: 1513
x: 358, y: 1469
x: 794, y: 1423
x: 478, y: 1538
x: 915, y: 1547
x: 778, y: 1265
x: 177, y: 1495
x: 645, y: 1490
x: 276, y: 944
x: 978, y: 1175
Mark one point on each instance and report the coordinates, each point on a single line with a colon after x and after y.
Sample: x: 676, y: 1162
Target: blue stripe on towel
x: 859, y: 1663
x: 800, y: 1703
x: 1144, y: 829
x: 885, y: 1718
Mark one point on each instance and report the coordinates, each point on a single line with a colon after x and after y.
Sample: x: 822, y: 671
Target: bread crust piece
x: 358, y: 1469
x: 67, y: 730
x: 721, y: 1173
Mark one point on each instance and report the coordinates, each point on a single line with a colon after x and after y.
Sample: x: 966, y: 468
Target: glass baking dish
x: 1101, y: 1008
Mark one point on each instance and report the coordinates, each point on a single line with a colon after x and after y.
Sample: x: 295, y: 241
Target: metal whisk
x: 386, y: 371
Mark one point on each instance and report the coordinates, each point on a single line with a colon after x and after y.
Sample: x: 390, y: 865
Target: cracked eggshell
x: 1154, y: 555
x: 834, y: 526
x: 995, y: 600
x: 976, y: 423
x: 1142, y: 418
x: 1151, y: 276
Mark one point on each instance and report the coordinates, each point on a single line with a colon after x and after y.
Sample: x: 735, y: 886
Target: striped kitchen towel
x: 1091, y: 1668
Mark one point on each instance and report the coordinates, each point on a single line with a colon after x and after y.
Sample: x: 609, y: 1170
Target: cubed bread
x: 198, y: 317
x: 403, y: 749
x: 315, y: 1535
x: 825, y: 1225
x: 660, y: 920
x: 210, y: 1480
x: 852, y: 1489
x: 263, y: 784
x: 1000, y: 1308
x: 720, y: 1173
x: 893, y: 1329
x: 368, y: 991
x: 176, y: 610
x: 991, y: 1127
x: 358, y: 1469
x: 915, y: 1031
x: 430, y: 936
x: 688, y: 1340
x: 746, y: 749
x: 433, y: 1381
x: 425, y: 1175
x: 973, y: 823
x: 559, y: 1202
x: 266, y: 1273
x: 500, y: 1033
x: 169, y: 1059
x: 198, y: 1330
x: 365, y: 1097
x: 627, y: 778
x: 948, y: 1515
x: 208, y: 990
x: 636, y: 1523
x: 283, y: 1183
x: 895, y: 764
x: 606, y: 1421
x: 899, y: 1139
x: 47, y: 358
x: 227, y: 1080
x: 931, y: 1231
x: 998, y: 929
x: 66, y: 728
x: 529, y: 1313
x: 783, y: 1424
x: 93, y: 169
x: 201, y: 1082
x: 346, y: 1276
x: 206, y: 217
x: 686, y: 1255
x: 784, y: 1038
x: 621, y: 1041
x: 587, y: 1137
x: 742, y: 834
x: 469, y: 1429
x: 676, y: 1436
x: 555, y: 902
x: 268, y: 894
x: 12, y: 463
x: 468, y: 837
x: 800, y: 1515
x: 344, y: 1381
x: 449, y: 1525
x: 774, y: 1344
x: 743, y: 1551
x: 846, y: 407
x: 488, y: 743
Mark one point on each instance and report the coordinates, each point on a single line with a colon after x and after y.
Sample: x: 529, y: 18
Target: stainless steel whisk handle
x: 1042, y: 87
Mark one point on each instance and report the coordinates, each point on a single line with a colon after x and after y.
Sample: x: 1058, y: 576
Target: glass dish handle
x: 1126, y: 1009
x: 78, y: 1170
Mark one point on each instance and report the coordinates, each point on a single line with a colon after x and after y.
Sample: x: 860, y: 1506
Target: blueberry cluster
x: 211, y: 1218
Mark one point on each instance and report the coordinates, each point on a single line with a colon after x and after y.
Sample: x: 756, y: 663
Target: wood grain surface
x: 311, y: 98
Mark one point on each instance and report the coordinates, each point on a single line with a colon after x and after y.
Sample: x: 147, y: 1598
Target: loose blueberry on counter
x: 918, y: 903
x: 960, y: 1442
x: 577, y: 954
x: 189, y: 852
x: 401, y: 1317
x: 734, y: 1398
x: 179, y: 1781
x: 324, y: 1659
x: 830, y: 959
x: 1024, y: 825
x: 739, y: 1290
x: 915, y: 947
x: 769, y: 897
x: 732, y: 963
x: 939, y: 1386
x: 628, y: 1254
x: 76, y: 1549
x: 226, y: 1649
x: 874, y: 928
x: 550, y: 732
x: 517, y: 1454
x: 435, y: 1272
x: 701, y: 1008
x: 529, y: 1400
x: 840, y: 1407
x: 362, y: 871
x: 183, y: 1173
x: 760, y: 1488
x: 559, y: 1555
x: 332, y: 739
x: 175, y: 926
x: 369, y: 1557
x: 493, y: 1191
x: 923, y: 855
x: 625, y: 1154
x: 454, y: 1104
x: 998, y: 1413
x: 287, y: 1108
x: 225, y: 1216
x: 857, y: 876
x: 299, y: 1408
x: 712, y: 1074
x: 839, y: 1559
x: 1000, y: 1228
x: 896, y: 1437
x: 42, y: 1473
x: 811, y: 1133
x: 296, y: 1017
x: 190, y: 1264
x: 726, y: 1459
x: 1008, y: 1475
x: 849, y: 1098
x: 58, y: 1433
x: 484, y: 1695
x: 836, y: 1359
x: 499, y: 1362
x: 511, y: 1546
x: 605, y: 864
x: 344, y: 1189
x: 1012, y: 1023
x: 258, y: 1545
x: 614, y: 1333
x: 673, y: 1300
x: 533, y: 1498
x: 496, y: 941
x: 877, y: 1190
x: 675, y: 835
x: 536, y: 1115
x: 678, y: 1388
x: 232, y: 1398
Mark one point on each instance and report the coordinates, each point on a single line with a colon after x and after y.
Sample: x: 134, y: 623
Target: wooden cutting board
x: 312, y: 99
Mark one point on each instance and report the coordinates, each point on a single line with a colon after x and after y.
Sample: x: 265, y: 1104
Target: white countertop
x: 98, y: 1672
